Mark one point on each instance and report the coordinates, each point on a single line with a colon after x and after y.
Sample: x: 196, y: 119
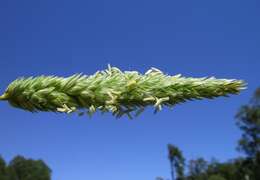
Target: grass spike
x: 114, y: 91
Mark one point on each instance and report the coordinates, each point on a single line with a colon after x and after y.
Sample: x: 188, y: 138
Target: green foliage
x: 249, y: 122
x: 113, y: 91
x: 28, y: 169
x: 177, y: 161
x: 228, y: 170
x: 3, y: 170
x: 24, y: 169
x: 216, y: 177
x: 197, y: 169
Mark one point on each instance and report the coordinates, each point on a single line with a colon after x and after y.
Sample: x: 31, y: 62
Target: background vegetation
x: 21, y: 168
x: 241, y: 168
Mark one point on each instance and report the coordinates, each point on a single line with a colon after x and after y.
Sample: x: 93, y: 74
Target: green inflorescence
x: 113, y: 91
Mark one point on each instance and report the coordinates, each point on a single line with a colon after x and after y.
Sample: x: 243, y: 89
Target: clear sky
x: 195, y: 38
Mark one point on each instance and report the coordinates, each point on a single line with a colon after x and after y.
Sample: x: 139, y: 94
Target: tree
x: 197, y: 169
x: 28, y: 169
x: 21, y: 168
x: 216, y: 177
x: 249, y: 122
x: 3, y: 169
x: 177, y: 162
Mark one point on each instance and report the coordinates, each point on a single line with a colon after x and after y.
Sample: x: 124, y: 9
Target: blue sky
x: 194, y: 38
